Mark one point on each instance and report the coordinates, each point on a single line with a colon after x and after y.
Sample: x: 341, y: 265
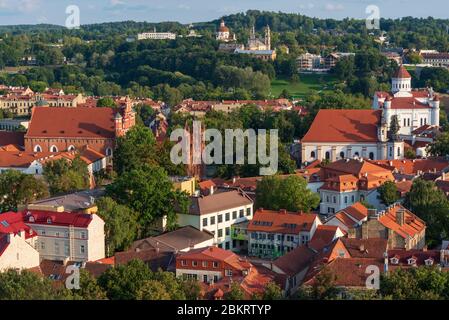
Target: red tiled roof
x: 20, y: 159
x: 12, y: 138
x: 412, y: 226
x: 349, y: 272
x: 72, y: 122
x: 407, y: 166
x: 358, y: 211
x: 402, y: 73
x: 215, y: 253
x: 79, y: 220
x: 281, y: 222
x: 12, y: 223
x: 344, y: 126
x: 323, y: 236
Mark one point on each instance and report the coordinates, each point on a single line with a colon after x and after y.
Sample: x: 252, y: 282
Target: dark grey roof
x: 219, y: 201
x: 73, y: 201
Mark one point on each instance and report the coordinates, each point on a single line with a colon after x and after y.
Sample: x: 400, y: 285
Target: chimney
x: 385, y: 262
x: 372, y: 214
x: 400, y: 217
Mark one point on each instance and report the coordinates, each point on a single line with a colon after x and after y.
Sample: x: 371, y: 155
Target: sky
x: 186, y: 11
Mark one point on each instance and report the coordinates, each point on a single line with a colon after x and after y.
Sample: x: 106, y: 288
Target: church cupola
x: 401, y: 83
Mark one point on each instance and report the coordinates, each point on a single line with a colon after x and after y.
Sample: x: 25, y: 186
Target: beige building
x: 65, y: 236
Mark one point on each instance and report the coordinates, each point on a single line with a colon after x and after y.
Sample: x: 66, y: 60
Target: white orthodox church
x: 224, y: 34
x: 414, y: 108
x: 343, y: 133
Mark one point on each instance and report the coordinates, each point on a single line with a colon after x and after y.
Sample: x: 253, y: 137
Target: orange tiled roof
x: 412, y: 226
x: 72, y: 122
x: 344, y: 125
x: 281, y: 221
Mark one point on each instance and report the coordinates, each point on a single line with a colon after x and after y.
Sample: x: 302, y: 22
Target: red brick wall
x: 99, y: 145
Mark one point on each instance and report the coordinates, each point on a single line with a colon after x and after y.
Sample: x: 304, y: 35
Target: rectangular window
x: 204, y: 264
x: 194, y: 263
x: 241, y: 213
x: 183, y: 263
x: 43, y: 245
x: 228, y: 231
x: 215, y: 264
x: 205, y: 278
x: 234, y: 214
x: 204, y: 222
x: 248, y: 211
x: 83, y: 235
x: 82, y: 249
x: 227, y: 245
x: 227, y: 216
x: 220, y: 233
x: 228, y: 273
x: 220, y: 218
x: 212, y: 220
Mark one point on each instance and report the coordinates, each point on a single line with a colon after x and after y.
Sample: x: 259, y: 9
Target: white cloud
x: 334, y: 7
x: 28, y: 5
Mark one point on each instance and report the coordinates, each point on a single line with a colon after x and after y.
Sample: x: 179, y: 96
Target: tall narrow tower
x: 268, y: 38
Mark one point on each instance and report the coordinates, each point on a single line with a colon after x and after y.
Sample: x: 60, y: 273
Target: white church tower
x: 401, y: 83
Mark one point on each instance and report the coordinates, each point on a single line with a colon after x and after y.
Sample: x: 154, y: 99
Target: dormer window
x: 49, y: 220
x: 31, y: 219
x: 394, y: 260
x: 411, y: 261
x: 428, y: 262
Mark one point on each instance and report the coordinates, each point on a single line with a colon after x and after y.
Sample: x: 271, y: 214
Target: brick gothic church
x: 69, y: 129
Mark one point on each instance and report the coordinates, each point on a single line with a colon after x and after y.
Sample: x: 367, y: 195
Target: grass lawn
x: 307, y: 82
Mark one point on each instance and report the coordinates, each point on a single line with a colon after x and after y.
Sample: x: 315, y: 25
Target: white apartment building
x: 217, y: 213
x: 156, y: 36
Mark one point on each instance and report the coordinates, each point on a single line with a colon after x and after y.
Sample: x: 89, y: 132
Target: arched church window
x: 356, y: 154
x: 71, y: 148
x: 312, y: 154
x: 37, y: 148
x: 371, y: 155
x: 342, y: 155
x: 53, y: 149
x: 328, y: 155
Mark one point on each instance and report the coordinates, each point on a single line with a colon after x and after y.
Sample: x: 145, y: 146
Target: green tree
x: 235, y: 293
x: 134, y: 150
x: 431, y: 205
x: 27, y: 285
x: 272, y: 292
x: 422, y: 283
x: 123, y: 282
x: 149, y: 192
x: 89, y: 288
x: 440, y: 147
x: 67, y: 176
x: 394, y: 126
x: 17, y: 188
x: 388, y: 193
x: 121, y: 226
x: 291, y: 193
x: 106, y: 102
x: 324, y: 285
x: 153, y: 290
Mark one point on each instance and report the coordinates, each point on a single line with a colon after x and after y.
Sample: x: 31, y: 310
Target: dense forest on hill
x: 97, y: 59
